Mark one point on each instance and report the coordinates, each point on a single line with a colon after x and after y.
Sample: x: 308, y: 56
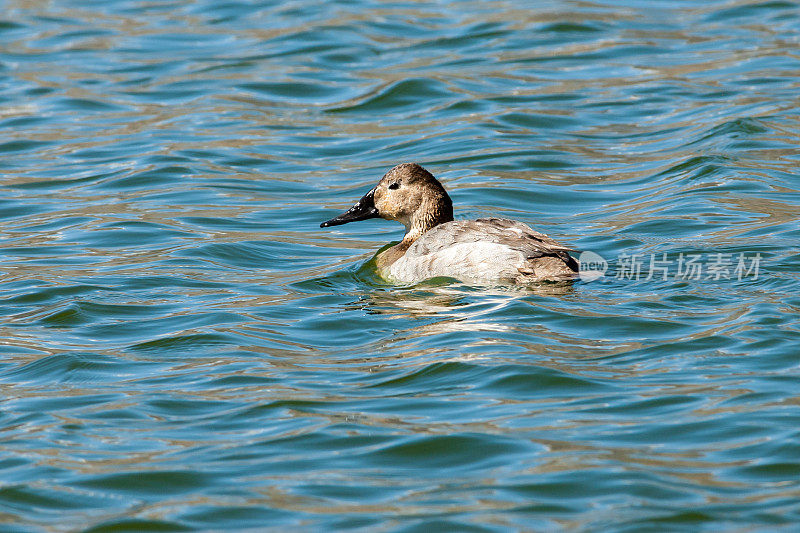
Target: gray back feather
x: 515, y: 235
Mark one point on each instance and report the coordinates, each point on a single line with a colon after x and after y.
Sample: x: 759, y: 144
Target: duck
x: 484, y: 251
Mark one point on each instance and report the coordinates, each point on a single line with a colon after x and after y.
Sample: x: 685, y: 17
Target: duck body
x: 483, y: 251
x: 486, y: 250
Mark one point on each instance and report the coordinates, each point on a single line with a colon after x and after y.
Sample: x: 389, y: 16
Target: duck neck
x: 431, y: 213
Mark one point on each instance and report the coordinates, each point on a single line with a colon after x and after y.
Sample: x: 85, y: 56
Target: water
x: 183, y: 348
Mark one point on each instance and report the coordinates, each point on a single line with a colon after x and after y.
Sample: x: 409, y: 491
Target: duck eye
x: 394, y: 185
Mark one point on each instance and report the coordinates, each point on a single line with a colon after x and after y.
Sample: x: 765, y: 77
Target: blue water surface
x: 182, y: 348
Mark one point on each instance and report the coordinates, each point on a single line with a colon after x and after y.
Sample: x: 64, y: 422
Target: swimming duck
x: 482, y: 251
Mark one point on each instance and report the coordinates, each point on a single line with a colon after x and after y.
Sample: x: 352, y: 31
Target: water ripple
x: 184, y: 349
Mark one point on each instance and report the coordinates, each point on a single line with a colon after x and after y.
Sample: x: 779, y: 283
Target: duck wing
x: 510, y: 233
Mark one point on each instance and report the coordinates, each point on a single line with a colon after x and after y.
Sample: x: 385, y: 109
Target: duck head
x: 408, y: 194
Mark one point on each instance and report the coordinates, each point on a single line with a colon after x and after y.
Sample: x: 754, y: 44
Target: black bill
x: 361, y: 210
